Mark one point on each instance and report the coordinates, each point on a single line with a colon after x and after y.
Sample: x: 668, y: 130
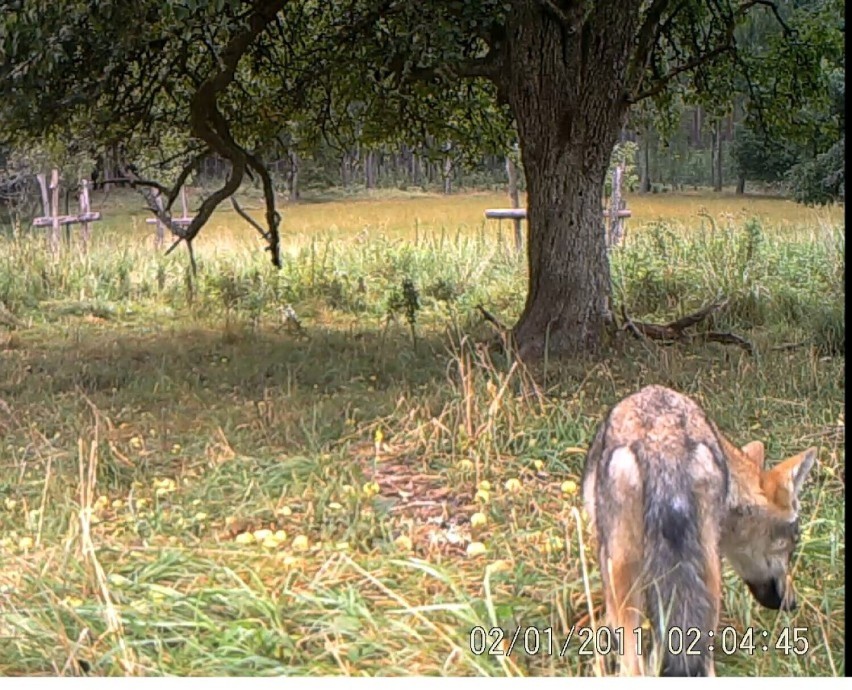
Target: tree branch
x: 652, y: 27
x: 134, y: 181
x: 181, y: 179
x: 248, y: 219
x: 746, y: 6
x: 144, y: 187
x: 208, y: 124
x: 675, y: 331
x: 663, y: 81
x: 551, y: 8
x: 646, y: 39
x: 486, y: 67
x: 273, y: 218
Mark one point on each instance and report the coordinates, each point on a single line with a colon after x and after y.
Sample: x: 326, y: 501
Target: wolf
x: 667, y: 496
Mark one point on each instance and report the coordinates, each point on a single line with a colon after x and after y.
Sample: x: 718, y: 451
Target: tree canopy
x: 795, y: 87
x: 187, y: 78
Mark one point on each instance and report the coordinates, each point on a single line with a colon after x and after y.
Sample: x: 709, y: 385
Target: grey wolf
x: 667, y: 496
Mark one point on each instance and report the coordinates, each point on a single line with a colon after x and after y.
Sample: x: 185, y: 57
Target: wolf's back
x: 655, y: 484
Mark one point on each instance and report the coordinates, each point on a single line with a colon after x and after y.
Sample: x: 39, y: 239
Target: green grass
x: 144, y: 427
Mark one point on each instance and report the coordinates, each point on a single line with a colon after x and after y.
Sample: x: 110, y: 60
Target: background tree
x: 794, y: 116
x: 821, y: 180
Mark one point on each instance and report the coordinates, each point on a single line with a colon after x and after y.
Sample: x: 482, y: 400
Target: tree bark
x: 736, y: 117
x: 109, y: 173
x: 568, y: 118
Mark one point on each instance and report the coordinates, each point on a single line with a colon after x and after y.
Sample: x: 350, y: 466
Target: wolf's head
x: 761, y: 539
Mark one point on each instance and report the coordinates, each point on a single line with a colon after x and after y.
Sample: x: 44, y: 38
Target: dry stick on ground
x: 726, y: 339
x: 697, y: 317
x: 675, y: 331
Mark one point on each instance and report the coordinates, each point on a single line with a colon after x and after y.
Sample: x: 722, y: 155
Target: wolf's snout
x: 773, y: 594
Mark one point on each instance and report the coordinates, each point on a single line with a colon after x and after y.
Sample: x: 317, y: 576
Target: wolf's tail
x: 678, y: 595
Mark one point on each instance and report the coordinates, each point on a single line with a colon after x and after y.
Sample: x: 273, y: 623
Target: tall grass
x: 788, y: 285
x: 193, y: 485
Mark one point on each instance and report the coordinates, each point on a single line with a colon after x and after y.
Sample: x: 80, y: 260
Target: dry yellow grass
x: 685, y: 207
x: 402, y: 217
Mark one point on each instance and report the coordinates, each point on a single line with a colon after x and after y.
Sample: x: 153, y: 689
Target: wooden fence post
x: 184, y: 221
x: 45, y: 199
x: 84, y: 212
x: 161, y: 229
x: 616, y: 222
x: 52, y: 219
x: 514, y: 197
x: 55, y: 236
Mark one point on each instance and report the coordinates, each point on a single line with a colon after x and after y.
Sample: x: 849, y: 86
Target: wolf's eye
x: 786, y: 531
x: 781, y: 545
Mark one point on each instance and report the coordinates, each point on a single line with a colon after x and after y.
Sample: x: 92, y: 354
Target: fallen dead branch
x: 790, y: 346
x: 726, y: 339
x: 676, y: 331
x: 493, y: 320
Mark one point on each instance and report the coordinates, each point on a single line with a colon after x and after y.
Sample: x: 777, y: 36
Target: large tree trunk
x: 568, y: 294
x: 416, y: 170
x: 108, y: 164
x: 568, y: 117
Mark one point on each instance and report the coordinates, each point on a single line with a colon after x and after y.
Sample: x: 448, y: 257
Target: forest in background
x: 697, y: 136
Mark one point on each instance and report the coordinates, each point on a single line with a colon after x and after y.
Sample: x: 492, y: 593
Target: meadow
x: 193, y: 482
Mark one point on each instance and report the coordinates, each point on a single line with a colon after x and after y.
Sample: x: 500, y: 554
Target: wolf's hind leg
x: 624, y: 602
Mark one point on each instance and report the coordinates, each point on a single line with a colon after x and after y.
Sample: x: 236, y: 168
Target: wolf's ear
x: 793, y: 472
x: 783, y: 483
x: 754, y: 452
x: 800, y: 467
